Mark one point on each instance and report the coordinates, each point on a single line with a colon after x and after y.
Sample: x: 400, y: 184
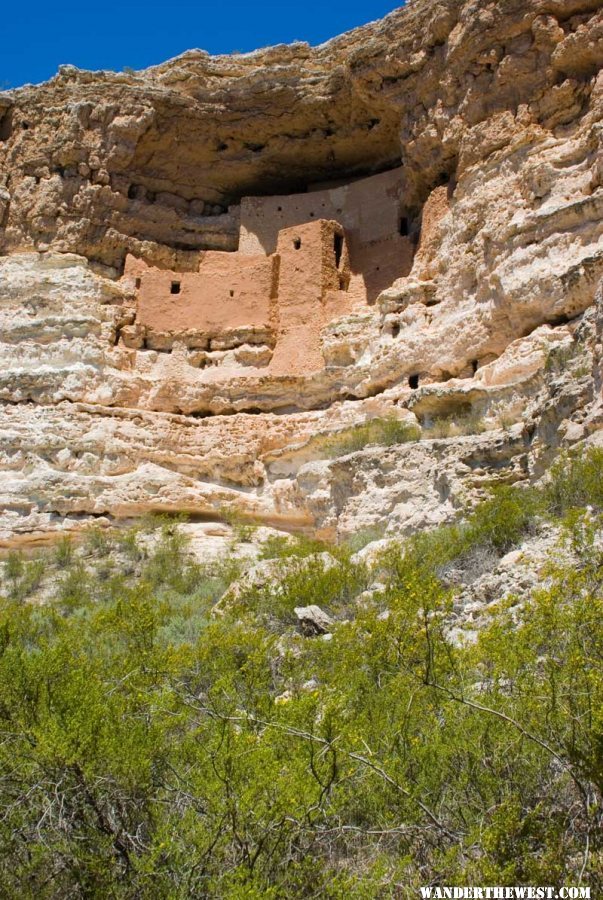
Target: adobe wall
x: 229, y: 291
x: 369, y: 209
x: 309, y: 269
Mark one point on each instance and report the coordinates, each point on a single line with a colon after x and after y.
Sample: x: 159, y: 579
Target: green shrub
x: 504, y: 518
x: 301, y: 546
x: 305, y: 581
x: 495, y: 526
x: 23, y: 577
x: 576, y: 480
x: 167, y: 562
x: 72, y: 587
x: 363, y: 537
x: 128, y: 543
x: 99, y: 541
x: 152, y: 749
x: 63, y: 554
x: 32, y: 577
x: 14, y: 568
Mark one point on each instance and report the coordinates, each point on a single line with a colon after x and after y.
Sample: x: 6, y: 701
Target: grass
x: 455, y: 425
x: 63, y: 553
x: 99, y: 541
x: 386, y: 432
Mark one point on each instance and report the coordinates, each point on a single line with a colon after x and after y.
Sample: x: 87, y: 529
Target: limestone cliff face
x: 493, y: 111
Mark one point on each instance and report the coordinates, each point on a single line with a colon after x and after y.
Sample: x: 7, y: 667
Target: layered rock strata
x: 491, y: 114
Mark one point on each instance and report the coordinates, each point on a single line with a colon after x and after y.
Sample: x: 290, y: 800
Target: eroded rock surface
x: 478, y: 322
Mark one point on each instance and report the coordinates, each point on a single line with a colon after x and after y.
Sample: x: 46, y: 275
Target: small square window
x: 175, y: 287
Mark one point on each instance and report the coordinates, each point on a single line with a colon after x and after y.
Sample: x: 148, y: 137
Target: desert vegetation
x: 153, y: 748
x: 382, y: 431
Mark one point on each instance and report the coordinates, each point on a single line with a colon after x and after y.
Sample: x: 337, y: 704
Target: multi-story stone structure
x: 302, y: 261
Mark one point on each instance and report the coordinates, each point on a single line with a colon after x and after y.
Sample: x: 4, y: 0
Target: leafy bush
x: 576, y: 480
x: 300, y: 546
x: 14, y: 568
x: 495, y: 526
x: 128, y: 543
x: 72, y: 586
x: 150, y: 749
x: 504, y: 518
x: 23, y: 576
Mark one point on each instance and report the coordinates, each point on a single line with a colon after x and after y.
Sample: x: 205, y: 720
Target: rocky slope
x: 495, y: 112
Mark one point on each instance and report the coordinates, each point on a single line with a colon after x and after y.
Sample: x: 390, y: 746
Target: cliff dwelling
x: 302, y: 261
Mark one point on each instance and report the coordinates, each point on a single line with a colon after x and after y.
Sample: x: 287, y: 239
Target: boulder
x: 313, y: 620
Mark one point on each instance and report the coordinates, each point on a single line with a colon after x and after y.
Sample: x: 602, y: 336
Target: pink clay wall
x: 228, y: 291
x: 306, y: 275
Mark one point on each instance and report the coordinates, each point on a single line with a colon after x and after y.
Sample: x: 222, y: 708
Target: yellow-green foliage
x: 576, y: 480
x: 379, y: 431
x: 22, y: 577
x: 152, y: 750
x: 64, y: 552
x: 455, y: 425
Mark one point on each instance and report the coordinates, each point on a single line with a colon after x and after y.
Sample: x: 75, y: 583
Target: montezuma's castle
x: 213, y: 269
x: 302, y: 261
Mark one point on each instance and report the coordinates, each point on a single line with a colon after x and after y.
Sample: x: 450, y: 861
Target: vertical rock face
x: 442, y: 171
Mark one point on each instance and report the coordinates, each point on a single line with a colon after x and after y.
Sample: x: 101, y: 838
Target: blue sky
x: 39, y: 37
